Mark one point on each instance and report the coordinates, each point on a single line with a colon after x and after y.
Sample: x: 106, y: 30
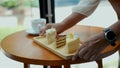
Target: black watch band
x: 110, y: 36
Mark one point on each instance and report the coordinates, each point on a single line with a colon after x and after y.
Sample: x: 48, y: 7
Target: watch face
x: 110, y: 35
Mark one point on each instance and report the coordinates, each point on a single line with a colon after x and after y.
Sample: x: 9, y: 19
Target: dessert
x: 72, y: 44
x: 51, y: 35
x: 61, y: 41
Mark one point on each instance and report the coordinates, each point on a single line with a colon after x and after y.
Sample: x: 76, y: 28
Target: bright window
x: 63, y: 8
x: 15, y: 12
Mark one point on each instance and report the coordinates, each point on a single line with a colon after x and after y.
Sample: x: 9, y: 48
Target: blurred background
x: 15, y: 14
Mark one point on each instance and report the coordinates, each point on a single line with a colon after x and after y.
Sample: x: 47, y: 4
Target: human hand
x: 59, y: 28
x: 48, y: 26
x: 91, y: 49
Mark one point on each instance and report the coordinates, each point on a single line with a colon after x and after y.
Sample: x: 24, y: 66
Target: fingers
x: 94, y: 57
x: 91, y: 53
x: 77, y: 55
x: 42, y: 31
x: 87, y: 54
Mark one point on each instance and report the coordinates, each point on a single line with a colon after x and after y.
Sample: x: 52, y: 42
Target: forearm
x: 116, y: 28
x: 71, y: 20
x: 115, y: 4
x: 84, y: 9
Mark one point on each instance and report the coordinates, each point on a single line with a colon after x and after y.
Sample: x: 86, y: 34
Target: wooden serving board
x: 61, y: 51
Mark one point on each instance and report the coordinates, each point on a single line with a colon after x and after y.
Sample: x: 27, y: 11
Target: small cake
x: 73, y: 43
x: 61, y: 41
x: 70, y: 42
x: 51, y: 35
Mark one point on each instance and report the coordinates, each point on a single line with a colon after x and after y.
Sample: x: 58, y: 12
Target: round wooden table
x: 20, y: 46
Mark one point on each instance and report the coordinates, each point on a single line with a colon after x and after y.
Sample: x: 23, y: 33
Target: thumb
x: 42, y: 32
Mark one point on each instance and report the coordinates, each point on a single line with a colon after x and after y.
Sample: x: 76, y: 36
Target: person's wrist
x: 59, y: 27
x: 110, y: 36
x: 102, y: 36
x: 115, y: 28
x: 62, y: 25
x: 117, y: 35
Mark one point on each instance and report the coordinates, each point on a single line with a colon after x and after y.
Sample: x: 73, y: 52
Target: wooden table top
x: 19, y: 46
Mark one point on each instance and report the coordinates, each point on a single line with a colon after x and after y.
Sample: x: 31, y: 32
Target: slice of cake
x: 72, y: 44
x: 51, y: 35
x: 61, y: 41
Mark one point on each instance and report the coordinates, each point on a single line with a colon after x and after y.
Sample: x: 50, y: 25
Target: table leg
x: 55, y: 66
x: 119, y: 60
x: 99, y: 62
x: 26, y: 65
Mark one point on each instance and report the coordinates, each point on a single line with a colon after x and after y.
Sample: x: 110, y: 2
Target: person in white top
x: 86, y: 7
x: 90, y: 50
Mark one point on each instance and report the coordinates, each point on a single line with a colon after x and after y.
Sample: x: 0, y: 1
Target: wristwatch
x: 110, y: 36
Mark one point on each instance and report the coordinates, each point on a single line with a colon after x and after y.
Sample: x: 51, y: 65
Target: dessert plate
x: 61, y: 51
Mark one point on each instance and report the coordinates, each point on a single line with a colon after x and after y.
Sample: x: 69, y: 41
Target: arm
x: 68, y: 22
x: 92, y: 48
x: 84, y: 9
x: 81, y: 11
x: 116, y: 28
x: 116, y: 5
x: 71, y: 20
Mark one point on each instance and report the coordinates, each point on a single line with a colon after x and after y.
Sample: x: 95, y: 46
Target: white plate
x: 31, y: 31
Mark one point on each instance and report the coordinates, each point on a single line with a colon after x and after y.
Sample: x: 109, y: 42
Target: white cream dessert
x: 51, y: 35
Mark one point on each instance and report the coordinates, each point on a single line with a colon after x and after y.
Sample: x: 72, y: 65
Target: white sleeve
x: 86, y: 7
